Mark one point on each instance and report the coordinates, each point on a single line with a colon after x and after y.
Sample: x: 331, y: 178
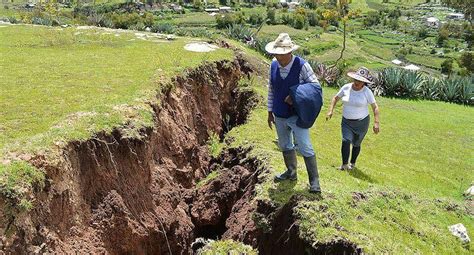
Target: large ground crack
x: 116, y: 195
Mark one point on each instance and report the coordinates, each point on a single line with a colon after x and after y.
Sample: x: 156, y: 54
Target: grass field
x: 406, y: 190
x: 52, y: 78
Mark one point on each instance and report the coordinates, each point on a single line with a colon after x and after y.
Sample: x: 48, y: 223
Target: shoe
x: 291, y: 165
x: 352, y: 165
x: 313, y: 175
x: 344, y: 167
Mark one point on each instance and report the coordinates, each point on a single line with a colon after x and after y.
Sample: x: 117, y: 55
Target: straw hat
x: 363, y: 74
x: 282, y: 45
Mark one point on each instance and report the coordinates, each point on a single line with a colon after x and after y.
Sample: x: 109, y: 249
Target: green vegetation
x: 17, y: 181
x: 68, y: 84
x: 85, y: 77
x: 227, y: 247
x: 406, y: 190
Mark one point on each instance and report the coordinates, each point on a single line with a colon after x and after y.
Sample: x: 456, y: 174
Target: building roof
x: 412, y: 67
x: 396, y: 62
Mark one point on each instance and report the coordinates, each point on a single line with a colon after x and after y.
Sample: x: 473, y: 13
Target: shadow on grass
x: 357, y: 173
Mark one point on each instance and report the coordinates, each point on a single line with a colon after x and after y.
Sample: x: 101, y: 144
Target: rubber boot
x: 313, y: 175
x: 291, y: 163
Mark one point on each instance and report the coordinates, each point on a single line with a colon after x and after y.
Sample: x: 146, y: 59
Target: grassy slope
x: 411, y: 176
x: 48, y: 75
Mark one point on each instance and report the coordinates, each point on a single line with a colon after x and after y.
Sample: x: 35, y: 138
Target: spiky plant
x: 392, y: 79
x: 326, y: 75
x: 412, y: 83
x: 452, y: 89
x: 241, y: 33
x: 467, y: 91
x: 431, y: 89
x: 377, y: 86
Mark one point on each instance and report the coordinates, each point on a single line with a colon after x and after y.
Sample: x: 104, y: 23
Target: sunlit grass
x: 411, y: 177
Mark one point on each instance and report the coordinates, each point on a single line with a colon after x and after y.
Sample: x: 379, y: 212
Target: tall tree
x: 465, y: 6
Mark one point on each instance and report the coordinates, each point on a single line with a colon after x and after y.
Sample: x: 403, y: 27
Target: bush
x: 371, y: 19
x: 443, y: 36
x: 467, y: 61
x: 125, y: 20
x: 422, y: 33
x: 313, y: 19
x: 256, y: 19
x: 299, y: 21
x: 271, y: 16
x: 447, y: 66
x: 165, y: 28
x: 225, y: 21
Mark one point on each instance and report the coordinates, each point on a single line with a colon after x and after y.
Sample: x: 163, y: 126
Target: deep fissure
x: 115, y: 195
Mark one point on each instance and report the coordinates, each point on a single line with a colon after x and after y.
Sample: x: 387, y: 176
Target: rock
x: 148, y: 29
x: 460, y: 231
x: 470, y: 191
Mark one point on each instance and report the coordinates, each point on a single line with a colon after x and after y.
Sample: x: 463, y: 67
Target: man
x: 287, y: 71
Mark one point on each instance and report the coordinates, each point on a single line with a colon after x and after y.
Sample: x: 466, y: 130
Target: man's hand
x: 376, y: 127
x: 288, y: 100
x: 271, y: 119
x: 329, y: 115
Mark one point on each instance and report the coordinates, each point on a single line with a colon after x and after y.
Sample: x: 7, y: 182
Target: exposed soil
x: 111, y: 195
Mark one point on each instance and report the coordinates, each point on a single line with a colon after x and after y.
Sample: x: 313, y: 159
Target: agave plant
x: 377, y: 86
x: 241, y: 33
x: 392, y: 79
x: 452, y: 89
x: 431, y: 89
x: 326, y: 75
x: 412, y: 83
x: 467, y: 91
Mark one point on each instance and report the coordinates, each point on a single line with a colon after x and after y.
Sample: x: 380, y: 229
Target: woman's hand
x: 271, y: 119
x: 288, y: 100
x: 329, y: 115
x: 376, y: 127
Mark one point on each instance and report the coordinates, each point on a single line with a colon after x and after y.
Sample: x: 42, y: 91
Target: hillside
x: 117, y: 141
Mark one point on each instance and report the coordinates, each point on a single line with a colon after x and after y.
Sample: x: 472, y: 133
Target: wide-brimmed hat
x: 282, y: 45
x: 363, y: 74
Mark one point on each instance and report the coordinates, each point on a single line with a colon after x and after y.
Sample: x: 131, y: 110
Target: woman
x: 355, y: 114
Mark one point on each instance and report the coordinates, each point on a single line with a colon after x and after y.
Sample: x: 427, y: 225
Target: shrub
x: 256, y: 19
x: 372, y: 18
x: 125, y: 20
x: 313, y: 19
x: 299, y: 21
x: 467, y: 61
x: 271, y: 16
x: 224, y: 21
x: 443, y: 35
x: 447, y: 66
x: 165, y: 28
x: 422, y: 33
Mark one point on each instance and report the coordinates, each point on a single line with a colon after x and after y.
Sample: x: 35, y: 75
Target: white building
x: 455, y: 16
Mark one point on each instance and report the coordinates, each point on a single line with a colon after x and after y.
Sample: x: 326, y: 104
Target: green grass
x: 195, y: 19
x: 272, y: 31
x: 227, y: 247
x: 411, y: 177
x: 53, y: 79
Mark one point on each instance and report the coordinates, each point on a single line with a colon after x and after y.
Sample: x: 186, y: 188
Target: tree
x: 467, y: 61
x: 443, y: 35
x: 271, y: 16
x: 447, y: 66
x: 465, y: 6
